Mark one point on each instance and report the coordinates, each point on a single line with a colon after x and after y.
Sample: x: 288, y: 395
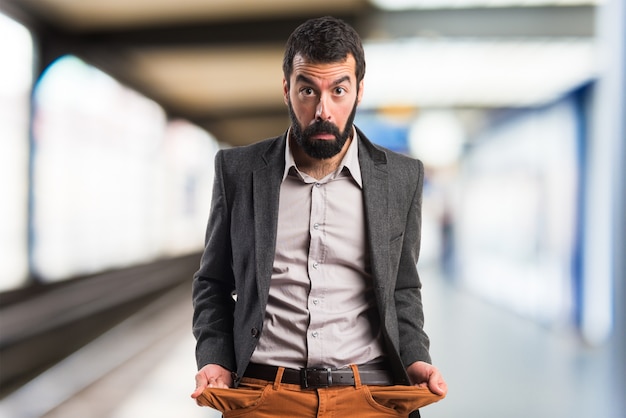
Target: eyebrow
x: 304, y: 79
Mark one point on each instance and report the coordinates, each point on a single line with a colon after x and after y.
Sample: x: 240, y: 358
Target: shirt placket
x: 317, y: 275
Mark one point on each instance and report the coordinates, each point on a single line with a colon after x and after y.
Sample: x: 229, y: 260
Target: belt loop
x: 279, y: 377
x: 357, y: 376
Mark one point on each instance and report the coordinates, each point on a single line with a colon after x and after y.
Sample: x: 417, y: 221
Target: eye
x: 340, y: 91
x: 307, y: 91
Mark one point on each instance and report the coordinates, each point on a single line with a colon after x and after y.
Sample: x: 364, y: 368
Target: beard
x: 320, y: 149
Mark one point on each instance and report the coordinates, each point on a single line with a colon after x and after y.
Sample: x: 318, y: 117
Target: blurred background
x: 111, y: 113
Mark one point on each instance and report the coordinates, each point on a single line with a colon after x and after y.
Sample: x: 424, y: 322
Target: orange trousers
x: 262, y: 399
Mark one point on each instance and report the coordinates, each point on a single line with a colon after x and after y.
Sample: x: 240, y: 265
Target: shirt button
x: 316, y: 226
x: 318, y: 184
x: 316, y: 265
x: 316, y: 301
x: 315, y: 334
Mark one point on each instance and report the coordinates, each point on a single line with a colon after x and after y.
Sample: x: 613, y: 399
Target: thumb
x: 437, y: 385
x: 201, y: 384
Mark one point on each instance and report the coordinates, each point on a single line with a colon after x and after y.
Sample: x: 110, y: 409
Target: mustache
x: 322, y: 127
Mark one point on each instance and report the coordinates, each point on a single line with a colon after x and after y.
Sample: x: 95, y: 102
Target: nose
x: 321, y: 111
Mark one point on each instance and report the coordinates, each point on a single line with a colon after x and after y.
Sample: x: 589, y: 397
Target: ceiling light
x: 449, y: 4
x: 471, y: 72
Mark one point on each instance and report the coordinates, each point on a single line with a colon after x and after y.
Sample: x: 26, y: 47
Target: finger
x: 219, y: 383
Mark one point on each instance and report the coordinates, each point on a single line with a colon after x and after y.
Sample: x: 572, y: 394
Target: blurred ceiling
x: 218, y: 63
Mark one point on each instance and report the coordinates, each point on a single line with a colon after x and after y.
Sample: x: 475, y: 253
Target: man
x: 308, y: 300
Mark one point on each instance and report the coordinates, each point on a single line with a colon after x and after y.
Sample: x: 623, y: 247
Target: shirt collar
x: 350, y: 160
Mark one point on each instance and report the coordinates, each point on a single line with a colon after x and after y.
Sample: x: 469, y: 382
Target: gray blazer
x: 240, y: 244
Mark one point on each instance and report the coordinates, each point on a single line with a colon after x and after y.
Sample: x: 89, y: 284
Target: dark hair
x: 324, y: 40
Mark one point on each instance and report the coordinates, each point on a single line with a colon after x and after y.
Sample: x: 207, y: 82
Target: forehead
x: 324, y: 71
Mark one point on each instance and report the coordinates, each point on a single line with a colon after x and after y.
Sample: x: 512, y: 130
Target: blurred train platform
x: 497, y: 365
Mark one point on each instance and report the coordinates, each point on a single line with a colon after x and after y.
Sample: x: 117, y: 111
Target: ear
x: 360, y: 93
x: 285, y: 91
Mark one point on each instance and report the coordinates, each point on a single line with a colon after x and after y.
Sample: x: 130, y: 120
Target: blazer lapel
x: 373, y: 164
x: 265, y: 194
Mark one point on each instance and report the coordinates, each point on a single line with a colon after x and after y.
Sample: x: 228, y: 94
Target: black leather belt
x: 321, y: 377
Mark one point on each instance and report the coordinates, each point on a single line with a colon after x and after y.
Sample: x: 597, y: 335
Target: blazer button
x: 254, y: 332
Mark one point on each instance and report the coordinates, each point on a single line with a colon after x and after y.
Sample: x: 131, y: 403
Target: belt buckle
x: 316, y: 377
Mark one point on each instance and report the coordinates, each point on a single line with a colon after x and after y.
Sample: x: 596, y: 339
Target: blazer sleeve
x: 213, y: 284
x: 414, y: 343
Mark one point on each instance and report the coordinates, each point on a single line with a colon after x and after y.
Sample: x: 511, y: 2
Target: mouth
x: 324, y: 136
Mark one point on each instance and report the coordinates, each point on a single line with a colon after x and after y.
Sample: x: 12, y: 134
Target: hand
x: 426, y: 375
x: 212, y: 376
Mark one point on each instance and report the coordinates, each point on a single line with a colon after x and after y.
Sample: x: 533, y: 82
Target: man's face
x: 322, y: 101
